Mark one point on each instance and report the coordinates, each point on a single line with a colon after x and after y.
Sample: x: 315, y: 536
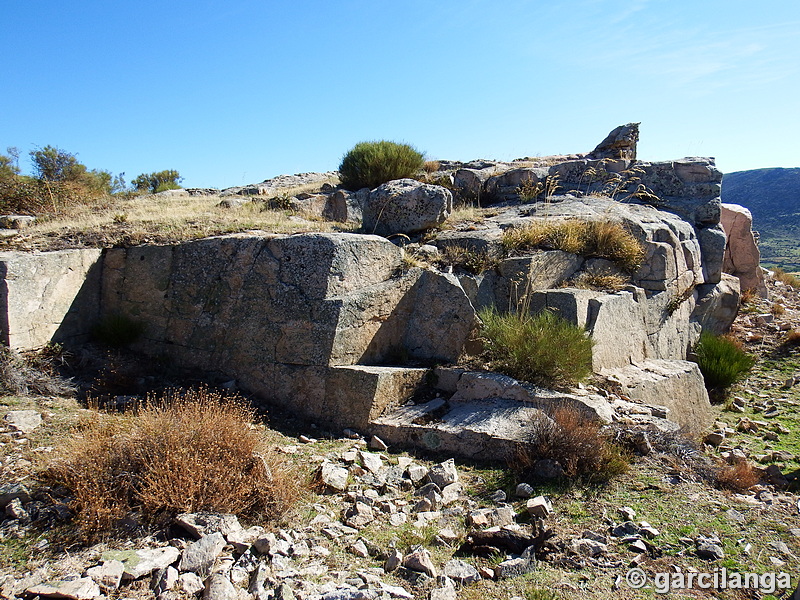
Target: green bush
x: 157, y: 182
x: 721, y: 360
x: 543, y: 348
x: 369, y: 164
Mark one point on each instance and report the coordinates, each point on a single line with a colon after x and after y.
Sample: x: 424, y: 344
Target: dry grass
x: 748, y: 296
x: 792, y: 338
x: 777, y: 309
x: 786, y: 278
x: 156, y: 219
x: 607, y: 282
x: 184, y: 452
x: 33, y: 373
x: 601, y: 239
x: 576, y: 442
x: 738, y: 478
x: 463, y: 258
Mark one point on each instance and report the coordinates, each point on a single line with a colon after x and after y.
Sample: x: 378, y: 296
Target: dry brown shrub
x: 792, y: 338
x: 577, y: 442
x: 431, y: 166
x: 738, y: 477
x: 187, y: 451
x: 777, y: 310
x: 32, y: 373
x: 748, y: 296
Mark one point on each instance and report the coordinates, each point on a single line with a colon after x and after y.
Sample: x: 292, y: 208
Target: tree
x: 157, y: 182
x: 9, y: 167
x: 53, y: 164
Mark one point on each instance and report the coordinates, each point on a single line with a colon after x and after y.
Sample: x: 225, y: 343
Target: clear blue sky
x: 236, y: 91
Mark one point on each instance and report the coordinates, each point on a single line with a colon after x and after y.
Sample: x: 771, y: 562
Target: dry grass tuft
x: 32, y: 374
x: 577, y: 443
x: 463, y: 258
x: 738, y: 477
x: 186, y: 451
x: 600, y: 239
x: 786, y: 278
x: 747, y: 297
x: 792, y: 338
x: 607, y: 282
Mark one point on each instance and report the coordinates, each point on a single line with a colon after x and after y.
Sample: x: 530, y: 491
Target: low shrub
x: 576, y: 442
x: 721, y: 360
x: 600, y: 239
x: 186, y: 451
x: 369, y: 164
x: 542, y: 348
x: 792, y: 338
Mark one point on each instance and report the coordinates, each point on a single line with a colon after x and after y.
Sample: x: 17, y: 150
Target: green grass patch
x: 543, y: 348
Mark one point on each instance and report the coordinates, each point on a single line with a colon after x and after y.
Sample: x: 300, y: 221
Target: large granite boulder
x: 406, y: 206
x: 620, y: 143
x: 717, y: 304
x: 279, y: 313
x: 48, y: 296
x: 742, y: 257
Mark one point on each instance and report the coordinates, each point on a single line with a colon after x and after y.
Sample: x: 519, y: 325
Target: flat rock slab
x: 77, y: 589
x: 205, y: 523
x: 486, y: 430
x: 139, y: 563
x: 24, y: 421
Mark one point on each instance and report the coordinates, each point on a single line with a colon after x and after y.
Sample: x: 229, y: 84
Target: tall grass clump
x: 721, y: 360
x: 369, y: 164
x: 185, y: 451
x: 600, y: 239
x: 543, y: 348
x: 786, y: 278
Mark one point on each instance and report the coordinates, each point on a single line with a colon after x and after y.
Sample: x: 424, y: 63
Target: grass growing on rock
x: 183, y: 452
x: 599, y: 239
x: 544, y: 348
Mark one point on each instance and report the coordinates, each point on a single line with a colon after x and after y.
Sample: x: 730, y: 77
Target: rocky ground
x: 380, y: 522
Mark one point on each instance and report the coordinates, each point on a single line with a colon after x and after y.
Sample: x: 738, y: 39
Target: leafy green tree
x: 9, y: 167
x: 53, y: 164
x: 157, y: 182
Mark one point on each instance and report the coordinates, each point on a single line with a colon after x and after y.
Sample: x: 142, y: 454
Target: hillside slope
x: 773, y: 196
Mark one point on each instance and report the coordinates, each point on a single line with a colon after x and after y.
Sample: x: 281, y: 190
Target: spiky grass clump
x: 369, y: 164
x: 599, y: 239
x: 184, y: 452
x: 721, y: 360
x: 543, y: 348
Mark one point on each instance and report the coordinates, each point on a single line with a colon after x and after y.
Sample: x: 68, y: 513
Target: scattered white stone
x: 395, y: 591
x: 372, y: 462
x: 190, y: 583
x: 242, y: 540
x: 539, y: 507
x: 416, y: 473
x: 376, y: 443
x: 334, y: 477
x: 444, y: 473
x: 219, y: 587
x: 627, y: 513
x: 446, y: 592
x: 199, y: 556
x: 359, y: 549
x: 206, y: 523
x: 108, y: 575
x: 420, y: 560
x: 587, y: 547
x: 461, y: 572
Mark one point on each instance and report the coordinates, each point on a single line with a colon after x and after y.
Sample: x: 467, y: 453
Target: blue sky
x: 236, y: 91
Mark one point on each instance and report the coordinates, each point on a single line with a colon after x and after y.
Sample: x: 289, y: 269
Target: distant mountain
x: 773, y: 196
